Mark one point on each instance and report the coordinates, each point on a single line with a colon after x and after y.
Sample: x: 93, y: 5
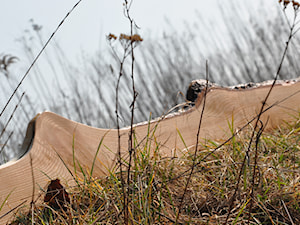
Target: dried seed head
x: 136, y: 38
x: 296, y: 5
x: 133, y: 38
x: 111, y: 36
x: 124, y: 37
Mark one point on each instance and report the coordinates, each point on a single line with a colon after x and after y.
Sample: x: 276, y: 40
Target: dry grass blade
x: 13, y: 209
x: 37, y: 57
x: 11, y: 115
x: 196, y: 149
x: 291, y: 34
x: 5, y: 143
x: 287, y: 212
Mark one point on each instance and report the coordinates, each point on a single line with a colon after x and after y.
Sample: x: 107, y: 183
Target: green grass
x: 156, y: 186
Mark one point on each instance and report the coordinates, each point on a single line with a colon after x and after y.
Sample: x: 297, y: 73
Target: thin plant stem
x: 291, y: 33
x: 195, y: 152
x: 37, y: 57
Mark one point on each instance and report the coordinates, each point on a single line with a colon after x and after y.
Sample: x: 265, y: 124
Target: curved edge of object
x: 27, y: 142
x: 262, y: 85
x: 29, y: 137
x: 20, y: 182
x: 31, y: 128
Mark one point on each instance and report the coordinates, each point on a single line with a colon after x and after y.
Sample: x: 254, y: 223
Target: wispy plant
x: 258, y: 124
x: 128, y: 43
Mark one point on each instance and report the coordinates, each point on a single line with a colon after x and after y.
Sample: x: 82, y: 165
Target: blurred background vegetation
x: 165, y: 65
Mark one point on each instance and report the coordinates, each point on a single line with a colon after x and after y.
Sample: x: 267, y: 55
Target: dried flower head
x: 36, y: 27
x: 5, y: 61
x: 133, y: 38
x: 296, y: 5
x: 136, y: 38
x: 287, y: 2
x: 111, y: 37
x: 124, y: 37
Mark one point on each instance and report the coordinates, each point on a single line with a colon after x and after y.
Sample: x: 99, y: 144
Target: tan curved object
x: 54, y: 135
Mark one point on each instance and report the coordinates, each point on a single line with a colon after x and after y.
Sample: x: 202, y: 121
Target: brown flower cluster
x: 296, y: 4
x: 111, y: 36
x: 122, y: 37
x: 133, y: 38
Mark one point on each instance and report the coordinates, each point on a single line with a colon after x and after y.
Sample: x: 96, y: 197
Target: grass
x: 252, y: 179
x: 156, y: 186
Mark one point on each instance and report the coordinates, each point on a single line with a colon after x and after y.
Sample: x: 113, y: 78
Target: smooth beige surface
x: 54, y: 135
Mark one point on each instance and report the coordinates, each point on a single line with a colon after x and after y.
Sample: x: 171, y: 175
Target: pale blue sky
x: 85, y: 29
x: 87, y: 26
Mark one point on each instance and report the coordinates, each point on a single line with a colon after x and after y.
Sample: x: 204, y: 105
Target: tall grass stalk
x: 291, y: 34
x: 196, y: 148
